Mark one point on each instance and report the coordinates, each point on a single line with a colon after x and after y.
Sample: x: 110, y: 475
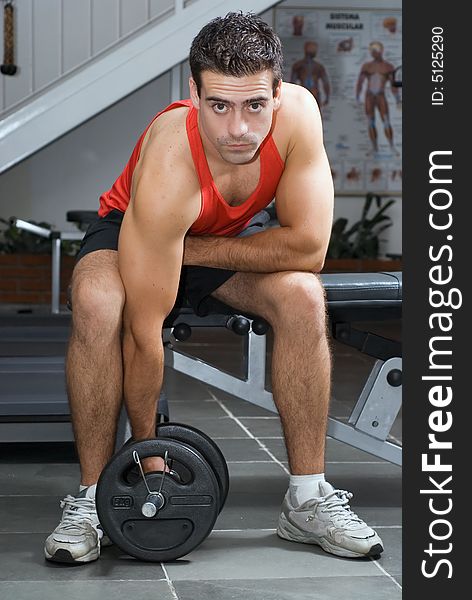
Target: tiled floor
x: 243, y: 559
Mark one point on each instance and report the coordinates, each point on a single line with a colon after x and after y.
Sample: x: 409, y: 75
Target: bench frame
x: 371, y: 418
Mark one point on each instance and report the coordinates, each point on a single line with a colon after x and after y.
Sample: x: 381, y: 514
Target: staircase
x: 160, y: 43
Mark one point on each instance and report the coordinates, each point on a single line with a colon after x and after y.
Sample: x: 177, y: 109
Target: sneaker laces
x: 76, y: 511
x: 336, y: 504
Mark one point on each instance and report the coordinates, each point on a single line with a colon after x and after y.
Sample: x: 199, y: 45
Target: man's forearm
x: 270, y: 251
x: 143, y: 373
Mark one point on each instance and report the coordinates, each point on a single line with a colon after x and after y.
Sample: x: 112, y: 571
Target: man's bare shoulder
x: 166, y: 139
x: 298, y: 118
x: 165, y: 164
x: 296, y: 100
x: 297, y: 107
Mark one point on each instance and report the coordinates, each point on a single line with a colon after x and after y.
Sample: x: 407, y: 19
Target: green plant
x: 361, y: 240
x: 18, y: 241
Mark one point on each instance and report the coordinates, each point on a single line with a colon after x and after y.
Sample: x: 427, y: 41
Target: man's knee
x: 297, y: 296
x: 97, y: 298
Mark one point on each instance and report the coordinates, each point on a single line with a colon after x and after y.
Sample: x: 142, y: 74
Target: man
x: 377, y: 72
x: 197, y: 176
x: 309, y: 73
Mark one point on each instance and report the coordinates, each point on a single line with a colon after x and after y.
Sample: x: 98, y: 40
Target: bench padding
x: 364, y: 287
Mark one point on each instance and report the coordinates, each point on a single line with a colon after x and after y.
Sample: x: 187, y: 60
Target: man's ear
x: 194, y: 93
x: 278, y: 95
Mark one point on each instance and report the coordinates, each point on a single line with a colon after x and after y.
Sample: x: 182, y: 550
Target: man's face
x: 376, y: 50
x: 311, y: 48
x: 235, y: 113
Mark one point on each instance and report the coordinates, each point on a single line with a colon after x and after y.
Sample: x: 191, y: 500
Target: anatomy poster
x: 350, y: 60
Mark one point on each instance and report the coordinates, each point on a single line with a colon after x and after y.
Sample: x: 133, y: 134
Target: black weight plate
x: 205, y: 445
x: 190, y: 506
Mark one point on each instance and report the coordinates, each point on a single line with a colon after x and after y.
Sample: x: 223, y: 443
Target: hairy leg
x: 95, y: 366
x: 294, y: 304
x: 94, y: 363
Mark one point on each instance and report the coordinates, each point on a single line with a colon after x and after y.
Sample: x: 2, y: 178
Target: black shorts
x: 196, y: 283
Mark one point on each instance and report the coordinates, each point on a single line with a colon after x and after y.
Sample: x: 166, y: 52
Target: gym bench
x: 352, y: 298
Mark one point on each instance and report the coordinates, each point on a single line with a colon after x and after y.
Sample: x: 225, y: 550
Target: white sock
x: 304, y: 487
x: 91, y: 489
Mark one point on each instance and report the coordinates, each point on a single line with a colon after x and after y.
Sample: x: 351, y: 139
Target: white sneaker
x: 78, y: 537
x: 329, y: 522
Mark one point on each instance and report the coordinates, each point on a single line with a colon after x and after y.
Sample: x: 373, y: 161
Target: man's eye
x: 255, y: 106
x: 219, y: 107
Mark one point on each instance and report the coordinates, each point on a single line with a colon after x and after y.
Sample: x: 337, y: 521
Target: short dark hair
x: 238, y: 44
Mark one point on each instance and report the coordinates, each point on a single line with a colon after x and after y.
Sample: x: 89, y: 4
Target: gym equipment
x: 352, y: 298
x: 160, y: 516
x: 56, y: 238
x: 240, y: 325
x: 200, y: 441
x: 207, y: 448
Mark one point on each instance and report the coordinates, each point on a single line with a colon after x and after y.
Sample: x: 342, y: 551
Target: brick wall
x: 26, y: 279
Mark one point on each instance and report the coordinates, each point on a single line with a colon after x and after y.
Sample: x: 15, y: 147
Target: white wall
x: 76, y: 169
x: 72, y: 172
x: 53, y: 37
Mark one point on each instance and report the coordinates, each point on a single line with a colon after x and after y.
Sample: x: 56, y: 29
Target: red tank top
x: 216, y: 216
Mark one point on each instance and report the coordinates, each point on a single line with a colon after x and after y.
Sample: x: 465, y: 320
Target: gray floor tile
x: 378, y: 516
x: 78, y: 590
x: 335, y: 452
x: 191, y: 410
x: 39, y: 514
x: 253, y: 478
x: 391, y: 559
x: 179, y: 386
x: 340, y: 410
x: 263, y: 426
x: 263, y: 555
x: 306, y: 588
x: 219, y: 427
x: 255, y: 496
x: 38, y: 479
x: 242, y: 513
x: 276, y: 447
x: 24, y: 560
x: 241, y: 408
x: 338, y: 451
x: 242, y: 450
